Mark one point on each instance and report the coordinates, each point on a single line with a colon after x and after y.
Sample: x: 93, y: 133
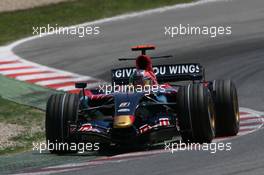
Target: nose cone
x: 123, y: 121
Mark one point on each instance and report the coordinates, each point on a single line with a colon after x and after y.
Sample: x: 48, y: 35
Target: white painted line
x: 259, y: 113
x: 42, y: 75
x: 258, y: 119
x: 8, y: 59
x: 244, y: 116
x: 71, y: 165
x: 49, y: 172
x: 141, y: 153
x: 243, y: 133
x: 9, y: 72
x: 251, y: 126
x: 8, y: 55
x: 13, y: 65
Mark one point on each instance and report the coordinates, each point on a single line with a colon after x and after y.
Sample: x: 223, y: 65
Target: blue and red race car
x: 145, y: 105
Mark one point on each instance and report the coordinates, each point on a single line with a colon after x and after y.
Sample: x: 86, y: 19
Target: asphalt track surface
x: 238, y: 56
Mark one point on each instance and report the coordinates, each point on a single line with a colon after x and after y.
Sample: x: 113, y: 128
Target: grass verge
x: 18, y: 24
x: 20, y: 126
x: 21, y: 116
x: 24, y: 93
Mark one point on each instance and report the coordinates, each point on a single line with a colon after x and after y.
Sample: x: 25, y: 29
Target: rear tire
x: 227, y: 109
x: 61, y: 109
x: 196, y: 114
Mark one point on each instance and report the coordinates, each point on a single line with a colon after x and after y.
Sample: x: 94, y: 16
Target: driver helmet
x: 141, y: 77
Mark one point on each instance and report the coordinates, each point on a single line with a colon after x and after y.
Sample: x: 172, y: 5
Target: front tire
x: 196, y: 114
x: 61, y: 109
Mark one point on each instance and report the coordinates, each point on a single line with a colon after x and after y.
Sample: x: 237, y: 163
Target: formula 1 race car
x: 178, y: 103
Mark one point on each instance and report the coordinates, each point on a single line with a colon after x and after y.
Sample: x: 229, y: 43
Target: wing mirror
x: 81, y: 85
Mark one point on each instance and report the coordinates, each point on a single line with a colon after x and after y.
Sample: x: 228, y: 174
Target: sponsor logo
x: 123, y: 110
x: 88, y: 127
x: 161, y: 70
x: 164, y: 122
x: 144, y: 128
x: 122, y: 73
x: 124, y: 105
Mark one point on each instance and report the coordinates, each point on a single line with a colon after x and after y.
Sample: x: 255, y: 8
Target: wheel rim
x: 211, y: 117
x: 235, y: 106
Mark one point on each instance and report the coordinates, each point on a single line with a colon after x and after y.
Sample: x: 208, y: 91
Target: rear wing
x: 164, y: 73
